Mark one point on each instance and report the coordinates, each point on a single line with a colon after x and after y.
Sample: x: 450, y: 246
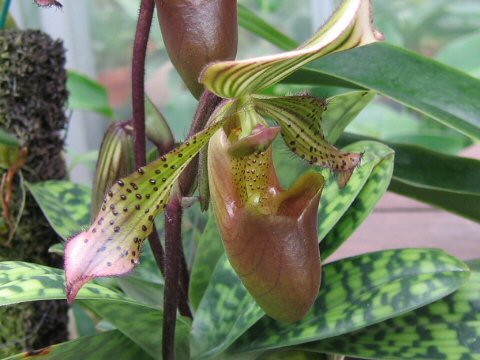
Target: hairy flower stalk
x: 270, y: 235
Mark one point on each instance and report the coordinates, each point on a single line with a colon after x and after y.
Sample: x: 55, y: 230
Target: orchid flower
x: 269, y: 234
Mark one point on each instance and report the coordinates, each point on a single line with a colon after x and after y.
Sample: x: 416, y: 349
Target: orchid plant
x: 259, y: 286
x: 248, y: 201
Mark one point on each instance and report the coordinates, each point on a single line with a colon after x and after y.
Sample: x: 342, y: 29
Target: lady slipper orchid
x: 270, y: 235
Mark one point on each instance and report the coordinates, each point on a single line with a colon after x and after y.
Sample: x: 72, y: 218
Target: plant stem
x: 138, y: 106
x: 173, y: 248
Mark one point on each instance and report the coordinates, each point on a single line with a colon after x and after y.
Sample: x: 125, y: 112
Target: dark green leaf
x: 226, y: 311
x: 446, y: 181
x: 8, y: 139
x: 364, y: 290
x: 142, y: 324
x: 250, y: 21
x: 365, y: 201
x: 87, y: 94
x: 66, y: 205
x: 84, y: 323
x: 210, y: 249
x: 104, y: 346
x: 446, y: 329
x: 406, y: 77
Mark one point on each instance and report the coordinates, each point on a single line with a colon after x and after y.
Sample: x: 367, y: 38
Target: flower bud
x: 116, y: 159
x: 196, y: 33
x: 270, y: 235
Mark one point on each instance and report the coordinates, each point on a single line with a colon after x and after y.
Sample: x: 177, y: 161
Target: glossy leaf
x: 250, y: 21
x: 226, y: 311
x: 301, y: 121
x: 365, y: 201
x: 361, y: 291
x: 411, y: 79
x: 446, y: 181
x: 112, y: 244
x: 446, y: 329
x: 341, y: 110
x: 65, y: 204
x: 87, y: 94
x: 104, y: 346
x: 209, y: 251
x: 349, y: 27
x: 21, y: 282
x: 141, y: 324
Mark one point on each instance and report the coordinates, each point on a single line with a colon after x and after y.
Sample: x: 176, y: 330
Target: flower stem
x: 173, y: 249
x: 138, y: 106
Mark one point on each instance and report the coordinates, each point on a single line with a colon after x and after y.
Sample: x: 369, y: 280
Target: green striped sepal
x: 112, y: 245
x: 351, y: 26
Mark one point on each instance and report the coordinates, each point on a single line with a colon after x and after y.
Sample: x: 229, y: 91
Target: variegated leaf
x: 22, y: 282
x: 361, y: 291
x: 226, y: 311
x: 446, y: 329
x: 300, y: 118
x: 112, y: 245
x: 65, y: 204
x: 349, y: 27
x: 356, y: 212
x: 107, y: 345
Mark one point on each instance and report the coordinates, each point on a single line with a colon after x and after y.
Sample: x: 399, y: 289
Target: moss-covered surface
x: 33, y: 97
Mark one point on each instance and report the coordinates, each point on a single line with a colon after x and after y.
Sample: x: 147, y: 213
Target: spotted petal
x: 351, y: 26
x: 111, y: 246
x: 300, y: 118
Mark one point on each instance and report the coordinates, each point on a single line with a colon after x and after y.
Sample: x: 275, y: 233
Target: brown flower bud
x: 197, y: 32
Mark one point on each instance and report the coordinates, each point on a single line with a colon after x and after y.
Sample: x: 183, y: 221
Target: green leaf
x: 9, y: 149
x: 87, y: 94
x: 8, y: 139
x: 226, y: 311
x: 463, y: 54
x: 250, y: 21
x: 446, y: 181
x: 411, y: 79
x: 66, y: 205
x: 364, y: 202
x: 157, y: 129
x: 361, y: 291
x: 209, y: 251
x: 341, y: 110
x: 446, y: 329
x: 142, y: 324
x: 349, y: 27
x: 21, y: 282
x: 104, y: 346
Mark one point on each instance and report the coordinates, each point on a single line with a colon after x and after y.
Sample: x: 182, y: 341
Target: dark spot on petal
x: 110, y: 193
x: 120, y: 182
x: 153, y: 181
x: 138, y: 196
x: 116, y: 228
x: 140, y: 171
x: 94, y: 230
x: 137, y: 207
x: 85, y: 241
x: 109, y: 263
x: 144, y: 228
x: 123, y: 197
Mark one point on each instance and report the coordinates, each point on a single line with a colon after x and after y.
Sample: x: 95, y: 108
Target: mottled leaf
x: 349, y: 27
x: 112, y: 245
x: 104, y: 346
x: 142, y: 324
x: 87, y: 94
x: 446, y: 329
x: 209, y: 251
x: 66, y: 205
x: 301, y: 121
x: 341, y: 110
x: 365, y: 201
x: 361, y: 291
x: 21, y: 282
x: 226, y: 311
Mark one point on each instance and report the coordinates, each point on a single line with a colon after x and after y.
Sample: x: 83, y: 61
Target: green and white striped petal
x: 112, y: 245
x: 351, y: 26
x: 300, y: 117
